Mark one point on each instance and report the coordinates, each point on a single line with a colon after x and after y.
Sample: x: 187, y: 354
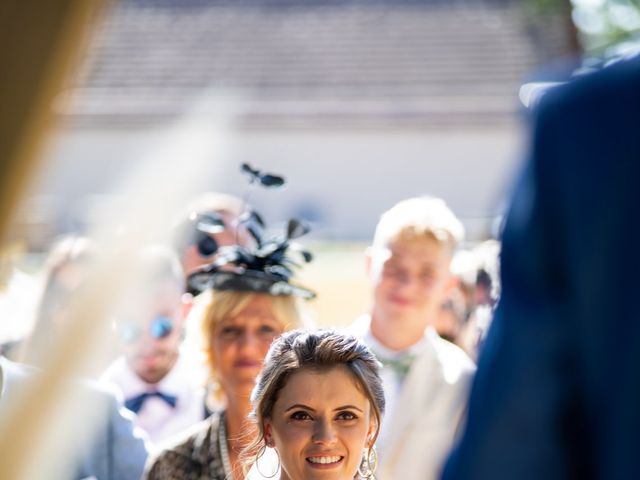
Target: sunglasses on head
x: 206, y: 244
x: 206, y: 224
x: 160, y: 327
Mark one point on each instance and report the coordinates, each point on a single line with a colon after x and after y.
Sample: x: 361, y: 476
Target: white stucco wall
x: 343, y: 178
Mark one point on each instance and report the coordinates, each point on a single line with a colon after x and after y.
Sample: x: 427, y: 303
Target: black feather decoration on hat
x: 266, y: 269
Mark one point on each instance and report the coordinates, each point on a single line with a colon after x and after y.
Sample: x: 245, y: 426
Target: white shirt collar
x: 369, y: 338
x: 174, y: 383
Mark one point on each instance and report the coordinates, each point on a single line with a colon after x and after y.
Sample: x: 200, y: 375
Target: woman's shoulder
x: 192, y: 454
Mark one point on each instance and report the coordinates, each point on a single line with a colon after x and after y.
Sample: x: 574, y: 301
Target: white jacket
x: 428, y: 412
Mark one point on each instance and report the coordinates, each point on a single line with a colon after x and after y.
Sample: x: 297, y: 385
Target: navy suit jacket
x: 557, y: 390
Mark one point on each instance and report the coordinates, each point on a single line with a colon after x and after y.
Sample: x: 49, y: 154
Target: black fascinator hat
x: 265, y: 268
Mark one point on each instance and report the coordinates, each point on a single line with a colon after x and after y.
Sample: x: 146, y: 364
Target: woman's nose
x: 249, y: 340
x: 324, y: 432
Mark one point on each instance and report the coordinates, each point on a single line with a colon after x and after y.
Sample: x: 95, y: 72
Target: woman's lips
x: 324, y: 461
x: 248, y: 364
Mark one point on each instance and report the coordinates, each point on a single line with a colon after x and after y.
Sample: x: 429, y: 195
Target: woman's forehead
x: 336, y: 384
x: 252, y: 313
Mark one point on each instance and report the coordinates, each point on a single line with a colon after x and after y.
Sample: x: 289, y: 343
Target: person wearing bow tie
x: 159, y: 383
x: 426, y: 379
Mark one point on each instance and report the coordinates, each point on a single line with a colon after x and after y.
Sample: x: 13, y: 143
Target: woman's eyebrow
x: 300, y: 405
x: 306, y: 407
x: 227, y: 320
x: 347, y: 407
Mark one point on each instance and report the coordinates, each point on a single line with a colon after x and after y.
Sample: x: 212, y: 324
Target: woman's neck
x: 240, y: 431
x: 237, y: 413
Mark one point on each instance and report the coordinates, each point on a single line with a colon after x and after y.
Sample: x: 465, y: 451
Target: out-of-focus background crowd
x: 359, y: 103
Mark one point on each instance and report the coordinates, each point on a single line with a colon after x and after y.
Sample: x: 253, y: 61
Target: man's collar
x: 175, y: 382
x: 414, y: 350
x: 363, y: 326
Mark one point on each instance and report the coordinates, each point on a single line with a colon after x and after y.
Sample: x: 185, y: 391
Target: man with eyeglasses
x: 211, y: 222
x: 159, y: 383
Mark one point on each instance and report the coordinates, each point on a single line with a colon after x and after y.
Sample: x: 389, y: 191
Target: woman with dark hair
x: 247, y: 300
x: 318, y: 404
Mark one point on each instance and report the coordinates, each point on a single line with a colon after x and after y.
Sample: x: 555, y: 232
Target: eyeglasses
x: 206, y: 244
x: 206, y: 224
x: 160, y: 327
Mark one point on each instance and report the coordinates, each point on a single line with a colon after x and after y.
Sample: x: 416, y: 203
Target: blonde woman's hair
x: 212, y: 307
x: 418, y: 217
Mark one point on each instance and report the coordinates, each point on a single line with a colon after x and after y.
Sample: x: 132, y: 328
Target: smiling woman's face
x: 320, y: 425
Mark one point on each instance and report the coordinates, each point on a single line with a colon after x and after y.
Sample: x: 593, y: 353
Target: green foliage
x: 606, y: 26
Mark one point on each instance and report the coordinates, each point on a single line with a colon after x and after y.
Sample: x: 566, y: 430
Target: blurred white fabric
x: 17, y: 306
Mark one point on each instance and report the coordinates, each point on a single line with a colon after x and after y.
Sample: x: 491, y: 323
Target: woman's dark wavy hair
x: 316, y: 350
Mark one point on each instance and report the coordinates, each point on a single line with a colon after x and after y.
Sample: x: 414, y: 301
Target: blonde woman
x: 242, y: 311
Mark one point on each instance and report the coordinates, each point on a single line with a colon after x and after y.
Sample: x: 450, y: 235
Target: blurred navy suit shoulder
x: 557, y: 391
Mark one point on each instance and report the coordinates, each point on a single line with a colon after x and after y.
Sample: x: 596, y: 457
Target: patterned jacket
x: 193, y: 455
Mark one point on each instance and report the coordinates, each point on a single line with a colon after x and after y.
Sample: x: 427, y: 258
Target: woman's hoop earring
x: 259, y: 455
x: 368, y: 464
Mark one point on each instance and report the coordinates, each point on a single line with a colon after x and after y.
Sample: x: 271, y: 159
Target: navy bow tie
x: 135, y: 403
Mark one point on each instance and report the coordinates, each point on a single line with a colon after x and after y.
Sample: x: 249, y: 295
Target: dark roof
x: 359, y: 61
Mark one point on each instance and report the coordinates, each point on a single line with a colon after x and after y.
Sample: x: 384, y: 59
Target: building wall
x: 341, y: 180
